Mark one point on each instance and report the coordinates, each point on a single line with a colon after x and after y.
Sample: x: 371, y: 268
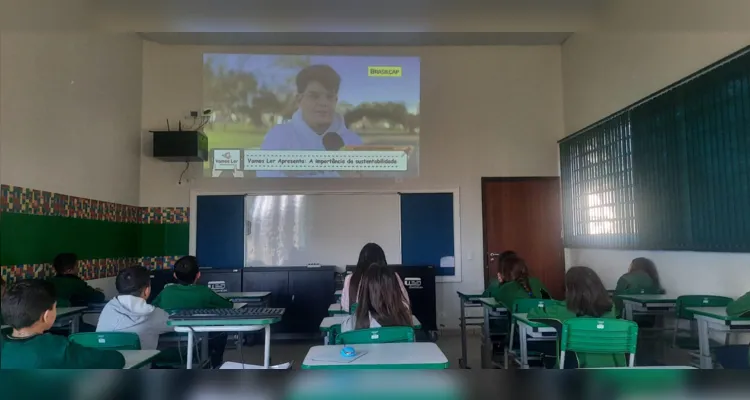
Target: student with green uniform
x: 494, y: 286
x: 585, y: 296
x: 187, y: 295
x: 641, y: 278
x: 30, y: 308
x: 517, y: 284
x: 72, y: 291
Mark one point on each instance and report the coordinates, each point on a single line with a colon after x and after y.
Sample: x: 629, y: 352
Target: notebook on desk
x: 337, y: 358
x: 227, y: 313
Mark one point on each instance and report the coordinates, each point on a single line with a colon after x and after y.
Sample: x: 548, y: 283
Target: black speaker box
x: 180, y: 146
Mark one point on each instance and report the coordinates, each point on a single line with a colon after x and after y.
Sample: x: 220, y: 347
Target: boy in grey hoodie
x: 129, y: 311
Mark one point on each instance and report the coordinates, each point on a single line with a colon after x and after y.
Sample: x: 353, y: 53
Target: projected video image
x: 312, y: 116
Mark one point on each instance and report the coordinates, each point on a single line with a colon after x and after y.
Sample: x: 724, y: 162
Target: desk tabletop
x: 245, y: 295
x: 378, y: 356
x: 336, y: 308
x: 224, y: 322
x: 523, y: 317
x: 65, y: 311
x: 330, y: 322
x: 490, y: 302
x: 135, y: 359
x: 717, y: 313
x: 468, y: 296
x: 337, y: 293
x: 648, y: 298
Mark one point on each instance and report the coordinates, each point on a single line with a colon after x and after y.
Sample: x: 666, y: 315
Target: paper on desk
x: 337, y: 358
x: 234, y: 365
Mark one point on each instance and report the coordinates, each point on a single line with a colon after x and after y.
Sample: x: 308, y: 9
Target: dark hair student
x: 381, y: 299
x: 585, y: 294
x: 370, y: 254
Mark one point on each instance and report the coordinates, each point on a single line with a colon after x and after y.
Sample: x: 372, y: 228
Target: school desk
x: 378, y: 356
x: 254, y: 298
x: 69, y: 316
x: 137, y: 359
x: 529, y: 330
x: 467, y: 301
x: 191, y: 327
x: 655, y: 304
x: 715, y: 319
x: 329, y: 324
x: 337, y: 294
x: 492, y: 310
x: 336, y: 309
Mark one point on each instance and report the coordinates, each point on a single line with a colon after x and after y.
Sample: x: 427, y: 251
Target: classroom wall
x: 487, y: 111
x: 69, y: 150
x: 605, y: 72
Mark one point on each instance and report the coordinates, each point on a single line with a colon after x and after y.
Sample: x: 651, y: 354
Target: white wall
x: 487, y: 111
x: 605, y: 72
x: 70, y: 109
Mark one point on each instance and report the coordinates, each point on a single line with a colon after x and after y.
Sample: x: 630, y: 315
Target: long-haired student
x: 585, y: 296
x: 641, y: 278
x: 517, y: 284
x: 370, y: 254
x: 381, y: 303
x: 495, y: 284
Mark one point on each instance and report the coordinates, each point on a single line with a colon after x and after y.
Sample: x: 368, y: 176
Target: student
x: 585, y: 296
x: 72, y: 291
x: 187, y: 295
x: 129, y: 311
x: 740, y: 306
x: 642, y: 278
x: 381, y: 303
x: 516, y: 284
x: 30, y: 308
x: 496, y: 283
x: 370, y: 254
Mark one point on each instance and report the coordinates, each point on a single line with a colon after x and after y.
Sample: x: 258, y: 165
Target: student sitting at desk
x: 380, y: 301
x: 494, y: 286
x: 517, y: 284
x: 641, y: 278
x: 585, y: 296
x: 30, y: 308
x: 370, y: 254
x: 187, y: 295
x: 72, y: 291
x: 129, y: 311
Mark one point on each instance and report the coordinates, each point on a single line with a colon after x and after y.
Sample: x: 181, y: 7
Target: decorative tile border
x: 16, y: 199
x: 87, y: 269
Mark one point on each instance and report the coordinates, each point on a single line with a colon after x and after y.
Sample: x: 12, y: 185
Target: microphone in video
x: 332, y: 141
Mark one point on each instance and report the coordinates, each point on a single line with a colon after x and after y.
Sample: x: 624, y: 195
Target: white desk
x: 378, y: 356
x: 136, y: 359
x: 328, y: 325
x: 336, y: 309
x: 716, y: 319
x: 529, y: 330
x: 467, y: 301
x: 646, y: 304
x: 338, y: 294
x: 69, y: 316
x: 230, y: 325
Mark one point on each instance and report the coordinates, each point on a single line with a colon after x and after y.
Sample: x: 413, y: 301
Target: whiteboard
x: 326, y: 229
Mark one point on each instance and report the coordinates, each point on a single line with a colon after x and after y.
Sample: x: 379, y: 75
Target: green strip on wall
x: 164, y: 239
x: 34, y: 239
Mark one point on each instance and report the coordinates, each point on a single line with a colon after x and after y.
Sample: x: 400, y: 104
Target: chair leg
x: 562, y: 360
x: 674, y: 332
x: 510, y: 346
x: 632, y: 360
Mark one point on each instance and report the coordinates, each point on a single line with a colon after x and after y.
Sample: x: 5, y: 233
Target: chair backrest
x: 599, y: 336
x: 352, y: 308
x: 108, y: 340
x: 390, y: 334
x: 684, y: 302
x: 525, y: 305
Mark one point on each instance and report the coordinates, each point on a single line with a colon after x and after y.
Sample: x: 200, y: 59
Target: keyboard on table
x: 228, y: 313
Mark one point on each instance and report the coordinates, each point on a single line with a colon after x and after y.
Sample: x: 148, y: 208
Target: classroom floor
x: 449, y: 342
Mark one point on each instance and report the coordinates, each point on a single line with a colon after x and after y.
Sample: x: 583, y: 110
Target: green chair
x: 522, y: 306
x: 390, y: 334
x: 690, y: 342
x: 108, y: 340
x: 599, y: 336
x: 352, y: 308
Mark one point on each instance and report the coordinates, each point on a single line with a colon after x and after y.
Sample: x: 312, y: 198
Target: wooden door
x: 524, y: 215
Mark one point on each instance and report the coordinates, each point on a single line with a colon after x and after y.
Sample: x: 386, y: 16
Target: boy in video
x: 315, y: 125
x: 29, y: 307
x: 72, y: 291
x: 129, y: 311
x: 187, y: 295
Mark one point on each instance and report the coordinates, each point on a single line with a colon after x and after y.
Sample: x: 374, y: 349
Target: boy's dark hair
x: 26, y: 301
x: 64, y: 262
x: 585, y: 294
x: 133, y: 280
x: 323, y: 74
x: 186, y: 270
